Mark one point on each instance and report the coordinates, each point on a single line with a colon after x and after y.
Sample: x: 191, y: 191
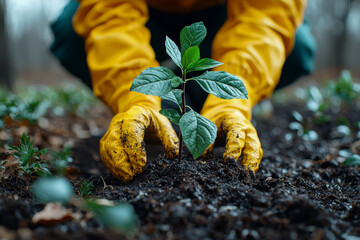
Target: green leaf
x: 222, y: 84
x: 175, y: 82
x: 30, y: 157
x: 171, y: 114
x: 86, y: 189
x: 60, y: 159
x: 52, y: 189
x: 154, y: 81
x: 191, y: 36
x: 173, y: 51
x: 297, y: 116
x: 174, y: 96
x: 121, y: 217
x: 352, y: 161
x: 203, y: 64
x: 43, y: 172
x: 191, y: 55
x: 198, y: 132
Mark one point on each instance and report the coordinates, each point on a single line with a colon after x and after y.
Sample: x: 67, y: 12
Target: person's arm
x: 118, y: 48
x: 253, y: 44
x: 256, y: 39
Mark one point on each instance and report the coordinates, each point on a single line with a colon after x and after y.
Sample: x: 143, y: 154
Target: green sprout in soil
x: 196, y: 131
x: 86, y: 189
x: 353, y: 160
x: 345, y: 88
x: 60, y: 160
x: 303, y: 127
x: 30, y: 158
x: 317, y: 104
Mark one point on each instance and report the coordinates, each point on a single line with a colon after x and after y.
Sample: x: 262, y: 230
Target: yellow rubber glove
x: 232, y: 118
x: 253, y: 44
x: 122, y: 148
x: 118, y: 48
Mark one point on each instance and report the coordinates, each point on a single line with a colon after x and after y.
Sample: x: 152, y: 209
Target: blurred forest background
x: 25, y: 38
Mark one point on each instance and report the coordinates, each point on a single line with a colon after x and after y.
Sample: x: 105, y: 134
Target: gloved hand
x: 122, y: 148
x: 232, y: 118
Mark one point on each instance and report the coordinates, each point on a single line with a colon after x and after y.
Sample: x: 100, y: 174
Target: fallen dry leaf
x: 56, y: 141
x: 51, y: 214
x: 72, y: 173
x: 9, y: 165
x: 355, y: 147
x: 6, y: 234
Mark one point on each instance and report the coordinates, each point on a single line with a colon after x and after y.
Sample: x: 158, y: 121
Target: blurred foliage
x: 13, y: 108
x: 53, y: 189
x: 351, y: 159
x: 34, y: 102
x: 330, y: 102
x: 70, y: 99
x: 303, y: 127
x: 121, y: 217
x: 334, y: 95
x: 60, y: 160
x: 345, y: 88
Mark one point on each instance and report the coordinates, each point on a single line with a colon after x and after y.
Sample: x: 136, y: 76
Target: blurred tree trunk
x: 5, y: 63
x: 340, y: 41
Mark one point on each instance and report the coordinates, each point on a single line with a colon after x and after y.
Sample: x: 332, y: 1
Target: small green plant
x: 345, y: 88
x: 317, y: 105
x: 86, y: 189
x: 353, y: 160
x: 60, y: 160
x: 30, y: 158
x: 195, y: 130
x: 303, y: 127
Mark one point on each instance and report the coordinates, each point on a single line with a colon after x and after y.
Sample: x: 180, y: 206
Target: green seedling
x: 120, y: 217
x: 341, y: 93
x: 351, y: 159
x: 317, y: 105
x: 60, y: 160
x: 303, y: 127
x: 30, y: 158
x: 354, y: 160
x: 86, y: 189
x: 315, y: 102
x: 345, y: 88
x: 196, y: 131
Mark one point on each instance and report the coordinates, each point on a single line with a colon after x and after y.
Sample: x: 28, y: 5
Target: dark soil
x: 302, y: 191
